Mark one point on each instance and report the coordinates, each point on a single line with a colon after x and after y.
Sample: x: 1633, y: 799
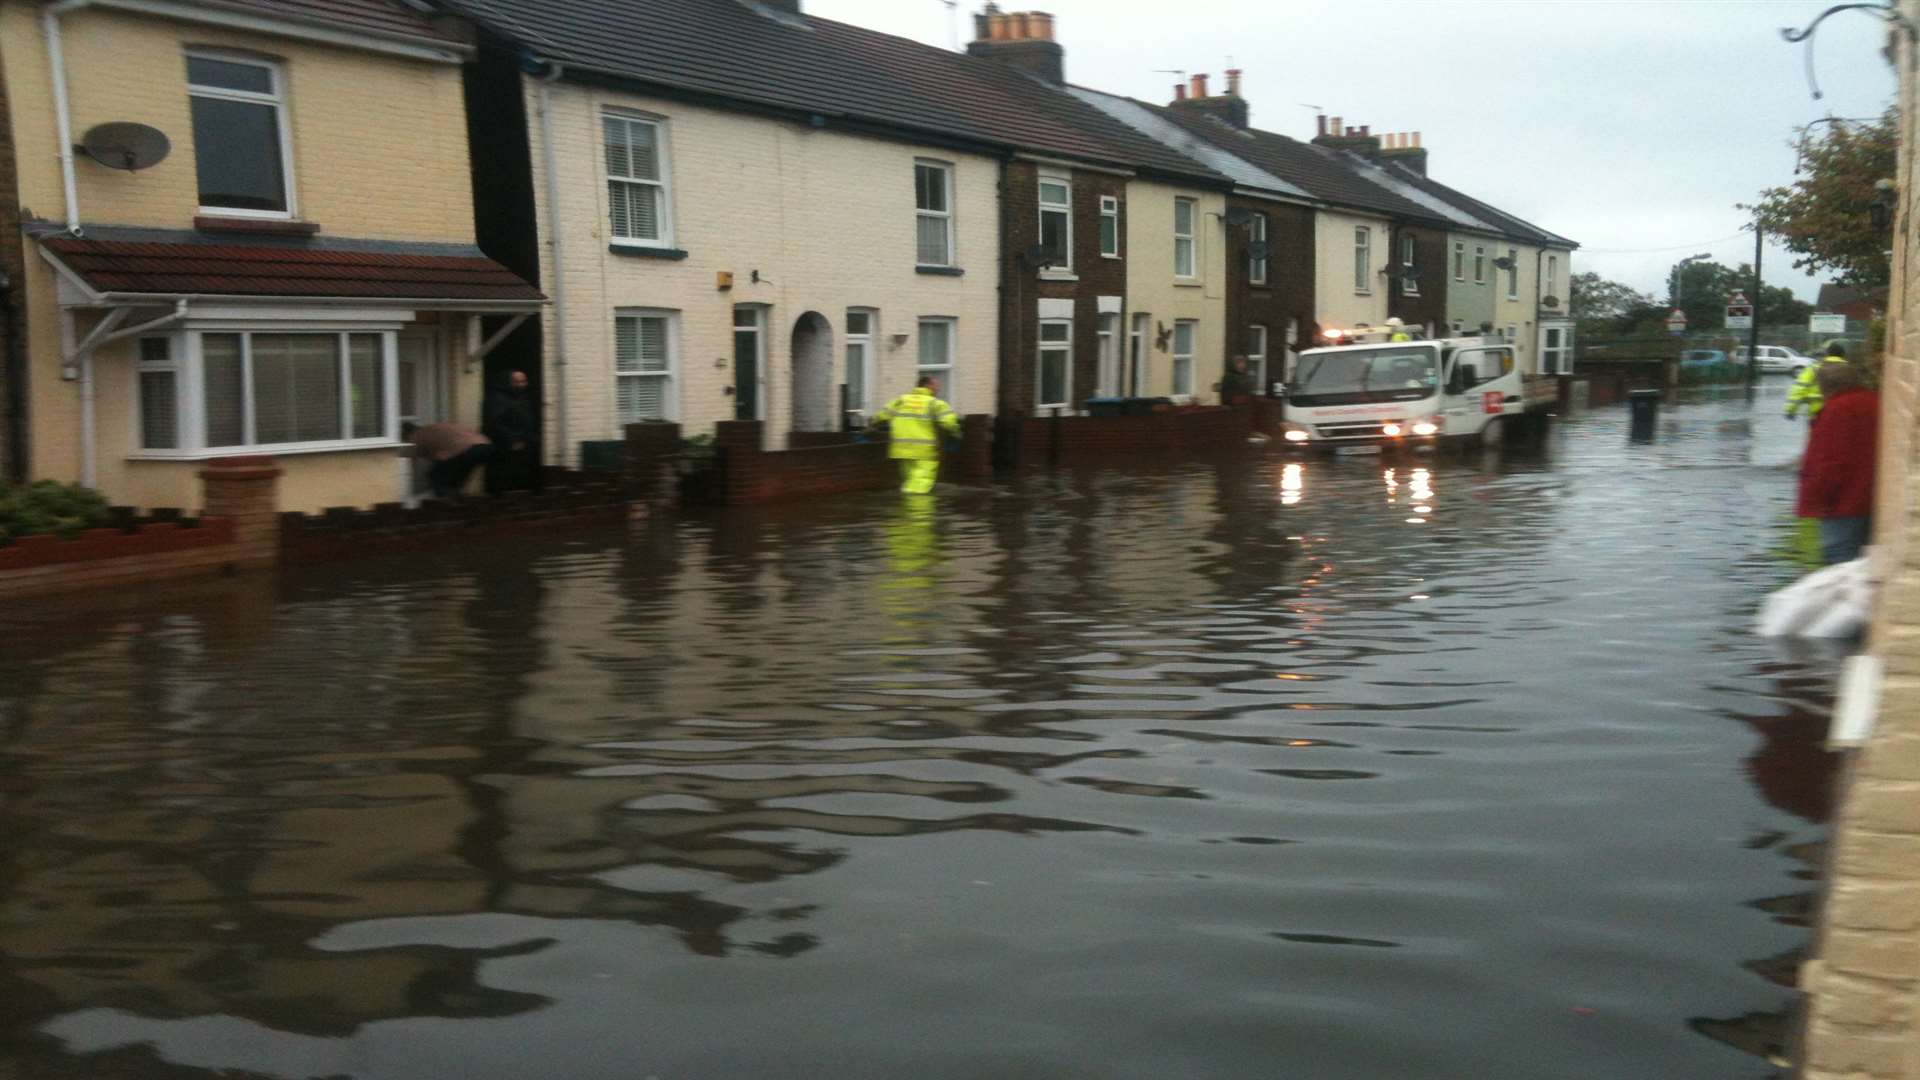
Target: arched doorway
x: 813, y: 374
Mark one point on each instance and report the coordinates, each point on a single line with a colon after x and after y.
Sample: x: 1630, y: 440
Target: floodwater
x: 1456, y: 767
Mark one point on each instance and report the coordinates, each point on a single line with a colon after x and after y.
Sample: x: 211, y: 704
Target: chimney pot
x: 1323, y: 123
x: 1416, y: 140
x: 1334, y: 125
x: 1043, y: 26
x: 1023, y: 26
x: 1366, y: 129
x: 1233, y: 82
x: 1179, y: 91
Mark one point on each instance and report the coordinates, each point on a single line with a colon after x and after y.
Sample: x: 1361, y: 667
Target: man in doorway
x: 453, y: 452
x: 1237, y: 386
x: 510, y: 422
x: 915, y: 421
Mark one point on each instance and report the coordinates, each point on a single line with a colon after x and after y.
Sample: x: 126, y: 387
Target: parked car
x: 1776, y: 359
x: 1702, y: 358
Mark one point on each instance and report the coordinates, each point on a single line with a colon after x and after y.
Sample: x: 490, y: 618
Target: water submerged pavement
x: 1350, y: 768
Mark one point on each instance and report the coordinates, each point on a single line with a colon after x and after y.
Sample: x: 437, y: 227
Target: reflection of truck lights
x: 1390, y: 430
x: 1292, y: 481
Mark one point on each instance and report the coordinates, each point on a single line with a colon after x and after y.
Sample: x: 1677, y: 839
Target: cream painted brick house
x: 296, y: 276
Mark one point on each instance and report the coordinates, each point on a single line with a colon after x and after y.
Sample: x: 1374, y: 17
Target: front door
x: 749, y: 326
x: 423, y: 396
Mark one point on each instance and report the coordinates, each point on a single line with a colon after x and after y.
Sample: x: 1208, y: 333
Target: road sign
x: 1739, y: 322
x: 1739, y: 312
x: 1677, y: 322
x: 1826, y: 323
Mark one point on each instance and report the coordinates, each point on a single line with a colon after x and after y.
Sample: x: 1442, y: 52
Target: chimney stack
x: 1359, y: 139
x: 1404, y: 147
x: 1021, y: 39
x: 1179, y: 91
x: 1323, y: 124
x: 1230, y: 106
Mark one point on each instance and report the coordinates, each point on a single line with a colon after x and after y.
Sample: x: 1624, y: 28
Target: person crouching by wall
x: 1836, y: 476
x: 454, y: 453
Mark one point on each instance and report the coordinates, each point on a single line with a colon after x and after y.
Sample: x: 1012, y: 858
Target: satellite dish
x: 1239, y: 216
x: 125, y: 145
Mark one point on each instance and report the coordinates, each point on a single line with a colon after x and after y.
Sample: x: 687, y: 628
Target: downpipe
x: 62, y: 115
x: 558, y: 242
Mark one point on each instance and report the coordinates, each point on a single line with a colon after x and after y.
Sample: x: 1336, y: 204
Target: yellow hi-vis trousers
x: 918, y: 474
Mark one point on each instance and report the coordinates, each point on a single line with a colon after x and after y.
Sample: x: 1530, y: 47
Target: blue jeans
x: 1841, y: 538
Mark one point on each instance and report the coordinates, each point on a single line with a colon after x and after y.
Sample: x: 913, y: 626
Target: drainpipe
x: 559, y: 285
x: 62, y: 119
x: 15, y: 368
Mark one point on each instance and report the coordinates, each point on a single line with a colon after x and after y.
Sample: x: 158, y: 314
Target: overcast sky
x: 1632, y: 127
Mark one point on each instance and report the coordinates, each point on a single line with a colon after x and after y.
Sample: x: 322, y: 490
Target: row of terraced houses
x: 365, y: 209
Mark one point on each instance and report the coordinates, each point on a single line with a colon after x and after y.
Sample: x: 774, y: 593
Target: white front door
x: 423, y: 398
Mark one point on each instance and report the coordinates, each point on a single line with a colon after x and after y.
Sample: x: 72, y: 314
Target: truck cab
x: 1369, y: 390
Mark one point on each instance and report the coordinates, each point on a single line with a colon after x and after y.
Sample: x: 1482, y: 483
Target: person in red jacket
x: 1836, y: 476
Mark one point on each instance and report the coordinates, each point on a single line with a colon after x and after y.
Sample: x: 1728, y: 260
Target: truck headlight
x: 1390, y: 430
x: 1426, y: 427
x: 1296, y: 433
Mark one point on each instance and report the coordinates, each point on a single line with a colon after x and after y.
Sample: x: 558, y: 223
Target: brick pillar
x: 739, y: 444
x: 245, y: 490
x: 649, y: 462
x: 976, y: 447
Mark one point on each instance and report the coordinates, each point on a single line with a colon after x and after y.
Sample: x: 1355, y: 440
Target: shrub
x: 48, y: 506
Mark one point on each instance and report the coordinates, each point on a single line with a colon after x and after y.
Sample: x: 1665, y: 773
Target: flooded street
x: 1455, y: 767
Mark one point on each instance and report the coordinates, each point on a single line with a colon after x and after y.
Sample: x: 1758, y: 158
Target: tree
x: 1592, y: 297
x: 1826, y: 216
x: 1705, y: 288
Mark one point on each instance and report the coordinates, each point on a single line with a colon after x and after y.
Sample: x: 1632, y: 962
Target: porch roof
x: 166, y: 266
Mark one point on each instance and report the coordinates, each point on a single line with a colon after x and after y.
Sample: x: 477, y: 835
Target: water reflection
x: 947, y: 787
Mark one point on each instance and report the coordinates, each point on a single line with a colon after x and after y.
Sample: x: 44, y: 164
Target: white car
x: 1775, y: 359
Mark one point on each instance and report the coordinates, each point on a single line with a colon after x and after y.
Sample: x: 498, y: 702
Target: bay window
x: 206, y: 391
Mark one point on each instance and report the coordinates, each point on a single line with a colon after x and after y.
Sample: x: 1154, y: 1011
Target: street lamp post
x: 1673, y: 280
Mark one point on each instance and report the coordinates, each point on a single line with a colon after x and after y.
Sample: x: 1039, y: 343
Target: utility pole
x: 1753, y: 332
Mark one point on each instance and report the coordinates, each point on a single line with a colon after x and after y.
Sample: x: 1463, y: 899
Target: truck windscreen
x: 1360, y: 376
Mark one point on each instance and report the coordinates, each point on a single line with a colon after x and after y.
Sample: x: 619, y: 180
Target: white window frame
x: 1409, y: 285
x: 277, y: 99
x: 1041, y: 347
x: 664, y: 165
x: 1257, y: 361
x: 1065, y: 210
x: 863, y: 342
x: 1513, y: 333
x: 1191, y: 238
x: 920, y: 213
x: 943, y: 372
x: 188, y: 359
x: 171, y: 365
x: 759, y: 332
x: 1257, y: 234
x: 1513, y: 274
x: 1106, y: 336
x: 1556, y: 360
x: 1362, y: 260
x: 1479, y: 264
x: 1553, y: 277
x: 1459, y: 260
x: 669, y: 397
x: 1139, y: 355
x: 1109, y: 214
x: 1192, y: 327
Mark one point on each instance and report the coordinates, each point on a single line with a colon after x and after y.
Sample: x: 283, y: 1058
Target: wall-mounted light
x: 899, y: 340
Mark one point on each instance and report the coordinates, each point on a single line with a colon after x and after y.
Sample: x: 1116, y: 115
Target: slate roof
x: 812, y: 65
x: 387, y: 18
x: 1319, y: 171
x: 1147, y: 120
x: 173, y: 268
x: 1510, y: 226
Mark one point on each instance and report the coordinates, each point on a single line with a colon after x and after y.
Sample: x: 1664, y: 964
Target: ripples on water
x: 1342, y: 768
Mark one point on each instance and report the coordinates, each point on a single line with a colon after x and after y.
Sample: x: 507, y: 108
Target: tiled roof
x: 1147, y: 120
x: 726, y: 49
x: 294, y: 271
x: 1318, y: 170
x: 385, y: 17
x: 1508, y: 225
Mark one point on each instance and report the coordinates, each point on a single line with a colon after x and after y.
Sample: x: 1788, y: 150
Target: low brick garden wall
x: 1066, y: 440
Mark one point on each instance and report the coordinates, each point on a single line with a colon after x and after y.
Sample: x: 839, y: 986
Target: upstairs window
x: 1553, y: 277
x: 1257, y: 250
x: 638, y: 209
x: 933, y: 206
x: 1479, y: 264
x: 1362, y: 260
x: 1409, y: 283
x: 1109, y: 227
x: 1513, y: 274
x: 1056, y: 221
x: 241, y: 150
x: 1459, y: 260
x: 1184, y: 213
